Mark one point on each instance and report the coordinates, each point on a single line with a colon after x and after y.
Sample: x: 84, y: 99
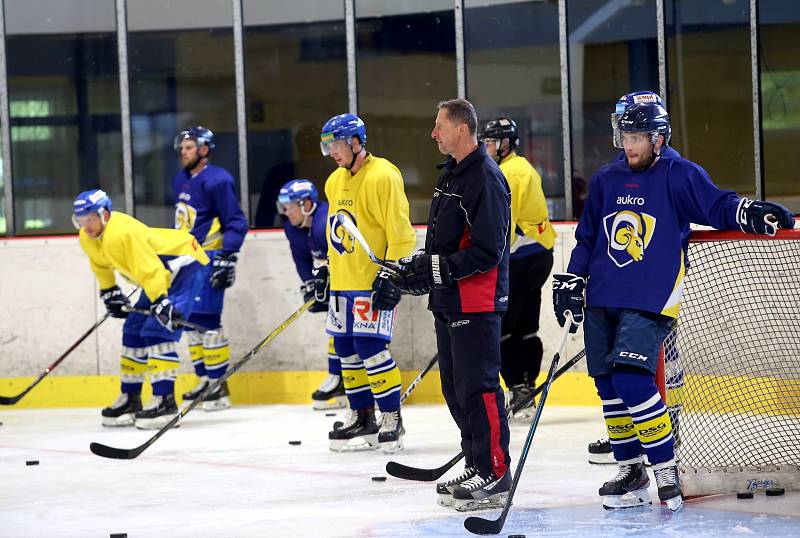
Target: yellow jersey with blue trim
x: 376, y: 202
x: 530, y: 224
x: 143, y: 255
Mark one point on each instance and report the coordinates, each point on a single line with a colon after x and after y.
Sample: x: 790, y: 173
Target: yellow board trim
x: 289, y: 387
x: 767, y: 396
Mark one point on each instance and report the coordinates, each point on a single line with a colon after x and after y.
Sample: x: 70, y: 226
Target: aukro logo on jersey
x: 629, y: 234
x: 341, y: 240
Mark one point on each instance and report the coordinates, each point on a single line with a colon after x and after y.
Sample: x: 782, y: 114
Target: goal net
x: 732, y: 364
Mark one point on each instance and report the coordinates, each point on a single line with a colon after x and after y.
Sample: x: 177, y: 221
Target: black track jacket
x: 469, y: 225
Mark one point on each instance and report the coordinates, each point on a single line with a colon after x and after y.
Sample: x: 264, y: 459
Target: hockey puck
x: 775, y: 492
x: 745, y: 495
x: 516, y: 536
x: 330, y: 414
x: 379, y: 479
x: 32, y: 462
x: 295, y: 443
x: 119, y: 535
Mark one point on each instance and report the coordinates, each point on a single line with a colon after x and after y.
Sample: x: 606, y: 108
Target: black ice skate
x: 629, y: 488
x: 600, y: 452
x: 359, y: 432
x: 123, y: 411
x: 192, y: 395
x: 158, y: 412
x: 218, y: 399
x: 518, y: 394
x: 445, y: 489
x: 669, y: 485
x: 481, y: 492
x: 330, y: 394
x: 390, y: 435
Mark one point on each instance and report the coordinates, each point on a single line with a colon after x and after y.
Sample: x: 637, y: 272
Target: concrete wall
x: 48, y: 298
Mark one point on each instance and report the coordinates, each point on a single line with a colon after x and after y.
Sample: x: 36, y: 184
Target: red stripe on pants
x: 498, y: 457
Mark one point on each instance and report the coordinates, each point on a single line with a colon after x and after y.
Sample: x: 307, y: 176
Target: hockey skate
x: 123, y: 411
x: 629, y: 488
x: 445, y: 489
x: 482, y: 492
x: 189, y: 397
x: 330, y: 394
x: 390, y: 435
x: 159, y: 411
x: 359, y: 432
x: 518, y: 395
x: 669, y: 485
x: 600, y: 452
x: 218, y: 399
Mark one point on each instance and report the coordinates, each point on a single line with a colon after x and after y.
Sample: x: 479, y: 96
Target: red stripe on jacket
x: 477, y: 292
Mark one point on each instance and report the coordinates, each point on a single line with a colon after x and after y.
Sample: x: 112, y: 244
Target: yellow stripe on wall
x: 730, y: 394
x: 289, y: 387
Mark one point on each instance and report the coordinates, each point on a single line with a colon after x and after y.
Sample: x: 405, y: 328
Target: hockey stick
x: 404, y: 472
x: 177, y: 321
x: 131, y: 453
x: 11, y: 400
x: 351, y: 227
x: 479, y: 525
x: 416, y: 381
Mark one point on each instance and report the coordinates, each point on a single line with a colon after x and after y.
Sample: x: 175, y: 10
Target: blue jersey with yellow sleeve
x: 308, y: 244
x: 531, y: 230
x: 143, y: 255
x: 207, y: 207
x: 376, y: 202
x: 632, y: 237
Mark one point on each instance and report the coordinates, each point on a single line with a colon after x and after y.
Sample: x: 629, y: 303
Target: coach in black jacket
x: 465, y: 269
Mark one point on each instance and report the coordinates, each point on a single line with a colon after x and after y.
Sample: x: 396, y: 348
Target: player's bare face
x: 188, y: 152
x: 639, y: 150
x: 294, y: 213
x: 341, y: 153
x: 445, y: 132
x: 91, y: 225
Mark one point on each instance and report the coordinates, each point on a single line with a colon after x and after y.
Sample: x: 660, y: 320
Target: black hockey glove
x: 321, y: 286
x: 115, y: 302
x: 385, y: 293
x: 166, y: 313
x: 568, y: 295
x: 308, y: 291
x: 760, y: 217
x: 223, y: 270
x: 422, y: 272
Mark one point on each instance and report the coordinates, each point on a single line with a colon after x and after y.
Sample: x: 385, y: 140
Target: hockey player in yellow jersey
x: 363, y: 300
x: 166, y: 265
x: 532, y: 242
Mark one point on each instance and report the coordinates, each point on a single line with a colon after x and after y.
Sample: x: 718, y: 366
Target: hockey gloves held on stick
x: 760, y: 217
x: 166, y: 313
x: 568, y: 296
x: 223, y: 270
x: 423, y: 272
x: 308, y: 291
x: 115, y: 302
x: 385, y: 293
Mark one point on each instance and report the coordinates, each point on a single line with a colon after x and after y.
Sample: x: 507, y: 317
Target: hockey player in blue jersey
x: 305, y: 227
x: 600, y: 450
x: 630, y: 258
x: 207, y: 207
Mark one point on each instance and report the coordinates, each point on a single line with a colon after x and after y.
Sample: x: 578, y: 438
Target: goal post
x: 732, y: 364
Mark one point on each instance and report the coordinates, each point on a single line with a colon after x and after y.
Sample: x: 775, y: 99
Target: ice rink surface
x: 234, y: 474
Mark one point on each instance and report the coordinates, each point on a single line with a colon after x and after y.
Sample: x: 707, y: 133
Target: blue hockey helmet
x: 630, y: 99
x: 88, y: 203
x: 342, y: 127
x: 201, y: 135
x: 295, y: 191
x: 645, y: 118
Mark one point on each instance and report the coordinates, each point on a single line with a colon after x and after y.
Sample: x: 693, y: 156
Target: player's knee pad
x: 648, y: 412
x: 133, y: 364
x: 216, y: 353
x: 620, y: 426
x: 163, y: 361
x: 384, y: 379
x: 354, y: 376
x: 195, y: 341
